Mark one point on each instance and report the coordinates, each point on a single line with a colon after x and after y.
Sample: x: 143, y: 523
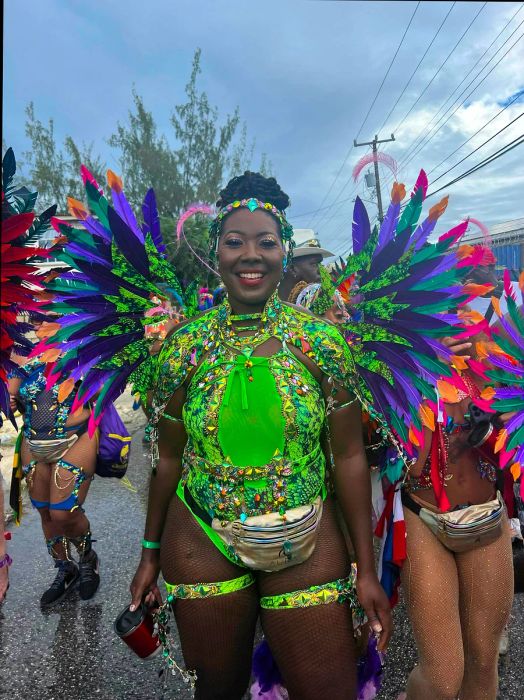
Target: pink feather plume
x: 483, y: 228
x: 198, y: 208
x: 192, y: 210
x: 377, y: 157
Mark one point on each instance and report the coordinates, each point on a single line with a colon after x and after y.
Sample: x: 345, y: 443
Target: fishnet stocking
x: 458, y: 605
x: 313, y: 647
x: 42, y: 487
x: 216, y: 634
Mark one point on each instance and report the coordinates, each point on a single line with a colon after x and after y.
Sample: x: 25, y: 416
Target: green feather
x: 97, y: 204
x: 516, y: 439
x: 437, y: 367
x: 411, y: 213
x: 516, y: 315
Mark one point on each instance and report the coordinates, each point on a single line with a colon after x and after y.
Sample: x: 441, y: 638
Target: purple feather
x: 389, y: 225
x: 117, y: 385
x: 513, y: 334
x: 152, y: 220
x: 77, y: 251
x: 361, y: 228
x: 423, y: 232
x: 503, y: 363
x: 264, y: 668
x: 96, y: 228
x: 509, y: 392
x: 123, y: 209
x: 515, y: 422
x: 370, y: 670
x: 125, y: 238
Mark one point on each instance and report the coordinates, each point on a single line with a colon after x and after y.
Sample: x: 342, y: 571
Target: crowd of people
x: 264, y: 406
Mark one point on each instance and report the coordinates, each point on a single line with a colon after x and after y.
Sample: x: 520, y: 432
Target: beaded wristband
x: 150, y: 545
x: 5, y: 561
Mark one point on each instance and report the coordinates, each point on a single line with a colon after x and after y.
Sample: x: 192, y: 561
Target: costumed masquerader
x: 459, y: 557
x: 304, y: 268
x: 505, y: 396
x: 55, y: 454
x: 5, y: 559
x: 240, y: 400
x: 242, y: 396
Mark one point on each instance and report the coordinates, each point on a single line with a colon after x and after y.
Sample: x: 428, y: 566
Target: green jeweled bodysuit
x: 253, y: 423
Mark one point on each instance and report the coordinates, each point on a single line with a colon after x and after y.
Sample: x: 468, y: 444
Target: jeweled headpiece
x: 286, y: 230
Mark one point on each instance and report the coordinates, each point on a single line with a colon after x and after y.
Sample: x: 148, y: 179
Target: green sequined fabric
x: 253, y: 423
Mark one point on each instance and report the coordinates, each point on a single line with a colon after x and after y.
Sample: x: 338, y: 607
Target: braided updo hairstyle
x: 254, y: 185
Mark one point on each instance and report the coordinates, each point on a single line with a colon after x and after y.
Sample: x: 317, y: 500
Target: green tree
x: 146, y: 160
x: 203, y: 151
x: 53, y: 171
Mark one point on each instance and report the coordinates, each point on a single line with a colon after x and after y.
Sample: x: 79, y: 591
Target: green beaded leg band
x: 188, y: 591
x: 207, y: 590
x: 338, y: 591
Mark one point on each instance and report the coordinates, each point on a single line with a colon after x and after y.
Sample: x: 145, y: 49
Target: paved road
x: 73, y: 653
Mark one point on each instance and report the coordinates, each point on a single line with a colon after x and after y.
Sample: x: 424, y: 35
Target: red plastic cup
x: 137, y: 630
x: 484, y: 443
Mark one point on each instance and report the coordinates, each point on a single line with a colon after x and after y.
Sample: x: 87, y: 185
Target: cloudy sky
x: 305, y: 75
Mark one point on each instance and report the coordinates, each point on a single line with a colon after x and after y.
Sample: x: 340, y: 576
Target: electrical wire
x: 442, y: 66
x: 414, y: 146
x: 418, y: 146
x: 519, y: 141
x: 515, y: 98
x: 431, y: 135
x: 387, y: 72
x: 368, y: 112
x: 478, y: 148
x: 423, y: 57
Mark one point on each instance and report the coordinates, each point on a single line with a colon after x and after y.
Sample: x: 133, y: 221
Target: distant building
x: 507, y: 241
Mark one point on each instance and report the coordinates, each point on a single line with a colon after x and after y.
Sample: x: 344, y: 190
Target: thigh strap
x: 340, y: 591
x: 207, y: 590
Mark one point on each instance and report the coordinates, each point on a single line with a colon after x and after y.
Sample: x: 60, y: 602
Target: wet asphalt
x: 71, y: 652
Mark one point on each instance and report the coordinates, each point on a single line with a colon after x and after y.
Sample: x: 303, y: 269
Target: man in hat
x: 304, y: 267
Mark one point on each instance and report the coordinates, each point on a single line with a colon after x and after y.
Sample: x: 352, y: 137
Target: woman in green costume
x: 246, y: 397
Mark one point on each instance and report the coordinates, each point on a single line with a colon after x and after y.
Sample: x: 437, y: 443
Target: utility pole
x: 377, y: 179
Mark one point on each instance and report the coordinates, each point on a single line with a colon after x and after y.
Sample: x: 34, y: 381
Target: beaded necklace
x: 228, y: 334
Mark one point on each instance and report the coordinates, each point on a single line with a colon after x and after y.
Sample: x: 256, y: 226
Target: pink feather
x: 483, y: 228
x: 197, y: 208
x: 456, y: 232
x: 508, y: 289
x: 421, y: 183
x: 378, y: 157
x: 86, y: 175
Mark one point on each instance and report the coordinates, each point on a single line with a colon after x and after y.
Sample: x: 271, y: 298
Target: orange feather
x: 76, y: 208
x: 427, y: 417
x: 114, y: 182
x: 65, y: 389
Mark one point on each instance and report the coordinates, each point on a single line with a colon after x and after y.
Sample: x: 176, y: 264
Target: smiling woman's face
x: 250, y: 258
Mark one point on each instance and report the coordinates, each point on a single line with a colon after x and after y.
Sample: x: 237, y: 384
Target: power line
x: 431, y: 135
x: 389, y: 68
x: 369, y: 110
x: 419, y: 63
x: 517, y: 96
x: 415, y: 149
x: 519, y: 141
x: 478, y: 147
x: 414, y: 145
x: 482, y: 164
x: 438, y: 69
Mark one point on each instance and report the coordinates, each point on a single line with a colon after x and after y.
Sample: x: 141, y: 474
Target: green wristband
x: 150, y: 545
